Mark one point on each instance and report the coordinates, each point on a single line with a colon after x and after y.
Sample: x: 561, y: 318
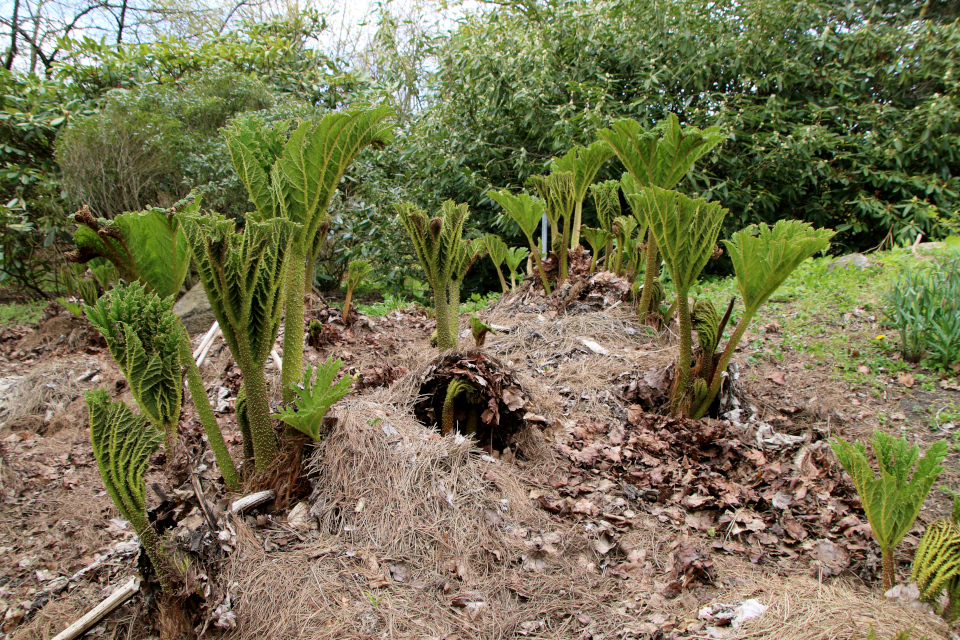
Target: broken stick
x: 114, y: 600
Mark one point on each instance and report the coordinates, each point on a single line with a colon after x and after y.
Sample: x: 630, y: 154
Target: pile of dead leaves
x: 506, y: 403
x: 382, y: 374
x: 578, y: 293
x: 709, y: 476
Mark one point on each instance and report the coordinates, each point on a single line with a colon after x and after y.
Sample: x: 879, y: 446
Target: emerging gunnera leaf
x: 893, y: 500
x: 122, y: 446
x: 242, y: 275
x: 148, y: 245
x: 937, y: 560
x: 315, y: 397
x: 143, y: 336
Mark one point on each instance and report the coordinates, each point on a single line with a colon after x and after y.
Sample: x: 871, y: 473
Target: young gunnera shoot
x: 445, y: 257
x: 315, y: 397
x: 893, y: 500
x: 122, y: 446
x: 242, y: 275
x: 357, y: 272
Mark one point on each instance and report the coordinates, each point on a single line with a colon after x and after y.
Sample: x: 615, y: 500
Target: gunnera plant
x: 148, y: 246
x: 122, y: 446
x: 598, y: 239
x: 936, y: 565
x: 357, y: 272
x: 295, y: 178
x: 514, y: 257
x: 558, y: 192
x: 583, y: 163
x: 893, y: 500
x: 686, y: 231
x: 152, y: 349
x: 658, y: 157
x: 496, y: 248
x: 606, y: 199
x: 445, y: 257
x: 763, y: 257
x: 315, y: 397
x: 242, y: 275
x: 527, y: 212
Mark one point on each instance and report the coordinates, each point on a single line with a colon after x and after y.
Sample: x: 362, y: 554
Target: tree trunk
x: 14, y: 32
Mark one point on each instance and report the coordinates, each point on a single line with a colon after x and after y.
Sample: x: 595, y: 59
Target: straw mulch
x: 420, y: 537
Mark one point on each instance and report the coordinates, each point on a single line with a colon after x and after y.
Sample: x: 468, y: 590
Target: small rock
x: 194, y: 310
x: 856, y: 260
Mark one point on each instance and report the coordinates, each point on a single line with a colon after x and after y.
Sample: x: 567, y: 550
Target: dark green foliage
x: 153, y: 145
x: 924, y: 307
x: 839, y: 114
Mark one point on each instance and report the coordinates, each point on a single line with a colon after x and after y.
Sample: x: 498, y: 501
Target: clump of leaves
x: 686, y: 231
x: 148, y: 246
x: 295, y: 178
x: 242, y: 275
x: 582, y: 163
x: 480, y: 329
x: 86, y: 290
x: 598, y: 239
x: 606, y: 198
x: 496, y: 248
x: 558, y: 192
x: 763, y: 257
x: 924, y: 306
x: 122, y: 446
x: 893, y: 500
x: 151, y: 348
x: 357, y: 272
x: 144, y: 337
x: 514, y: 257
x: 315, y: 397
x: 658, y: 157
x: 936, y: 565
x: 527, y: 212
x: 445, y: 257
x: 626, y: 258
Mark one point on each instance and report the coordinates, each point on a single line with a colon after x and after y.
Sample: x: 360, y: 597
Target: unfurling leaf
x: 122, y: 446
x: 893, y: 500
x: 315, y: 397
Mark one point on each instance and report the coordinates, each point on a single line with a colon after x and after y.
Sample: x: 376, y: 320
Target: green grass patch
x: 21, y: 313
